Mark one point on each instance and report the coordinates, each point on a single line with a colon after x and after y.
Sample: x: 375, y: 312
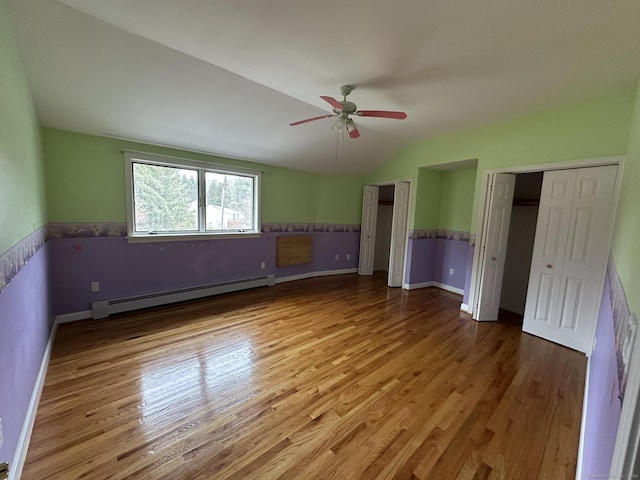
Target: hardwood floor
x: 327, y: 378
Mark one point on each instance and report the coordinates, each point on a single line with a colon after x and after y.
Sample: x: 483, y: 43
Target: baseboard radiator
x: 105, y: 308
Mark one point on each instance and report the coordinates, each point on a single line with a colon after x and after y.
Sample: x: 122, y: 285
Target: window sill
x: 182, y: 237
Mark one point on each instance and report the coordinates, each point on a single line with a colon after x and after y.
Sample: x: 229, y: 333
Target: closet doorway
x: 543, y: 250
x: 383, y: 236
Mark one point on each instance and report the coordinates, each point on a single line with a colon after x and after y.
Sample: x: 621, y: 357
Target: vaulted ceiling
x: 227, y: 77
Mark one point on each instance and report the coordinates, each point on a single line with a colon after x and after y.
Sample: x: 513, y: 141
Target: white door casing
x: 570, y: 254
x: 494, y: 246
x: 398, y: 234
x: 368, y: 229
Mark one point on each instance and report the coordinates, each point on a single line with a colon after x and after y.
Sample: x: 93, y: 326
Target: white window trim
x: 131, y: 157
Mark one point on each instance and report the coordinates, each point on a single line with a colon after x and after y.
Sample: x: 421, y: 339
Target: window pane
x: 229, y: 201
x: 166, y: 198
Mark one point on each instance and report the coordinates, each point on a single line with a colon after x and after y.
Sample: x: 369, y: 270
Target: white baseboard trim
x: 322, y: 273
x: 449, y: 288
x: 30, y: 418
x: 442, y: 286
x: 583, y: 422
x: 415, y: 286
x: 465, y: 308
x: 73, y: 317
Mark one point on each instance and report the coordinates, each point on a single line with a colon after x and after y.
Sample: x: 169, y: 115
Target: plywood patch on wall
x: 293, y: 250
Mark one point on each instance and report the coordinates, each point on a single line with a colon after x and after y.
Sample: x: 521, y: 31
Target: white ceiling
x: 227, y: 76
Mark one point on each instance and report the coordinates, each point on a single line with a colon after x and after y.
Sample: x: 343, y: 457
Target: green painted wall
x: 85, y: 183
x: 458, y: 188
x: 339, y: 199
x: 85, y: 178
x: 626, y: 237
x: 288, y: 195
x: 444, y: 199
x: 428, y: 199
x: 594, y: 128
x: 22, y: 208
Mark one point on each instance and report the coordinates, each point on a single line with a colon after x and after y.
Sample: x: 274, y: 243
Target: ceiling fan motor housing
x: 348, y: 108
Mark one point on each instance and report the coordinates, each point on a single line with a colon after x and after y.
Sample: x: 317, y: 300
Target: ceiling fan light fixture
x: 339, y: 125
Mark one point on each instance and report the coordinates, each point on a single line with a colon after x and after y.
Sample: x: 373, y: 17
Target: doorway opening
x: 384, y: 223
x: 383, y: 235
x: 522, y: 229
x: 572, y: 235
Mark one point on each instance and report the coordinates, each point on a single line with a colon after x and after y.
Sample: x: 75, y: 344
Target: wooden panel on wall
x: 293, y: 250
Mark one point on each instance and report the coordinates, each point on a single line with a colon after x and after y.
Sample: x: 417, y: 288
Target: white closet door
x: 398, y: 234
x: 494, y: 246
x: 368, y: 230
x: 569, y: 255
x: 554, y: 214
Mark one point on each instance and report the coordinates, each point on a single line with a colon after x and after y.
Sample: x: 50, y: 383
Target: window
x: 170, y: 198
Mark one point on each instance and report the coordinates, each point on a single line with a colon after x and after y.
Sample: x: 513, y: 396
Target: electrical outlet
x: 348, y: 256
x: 451, y: 271
x: 262, y: 266
x: 337, y: 257
x: 95, y: 286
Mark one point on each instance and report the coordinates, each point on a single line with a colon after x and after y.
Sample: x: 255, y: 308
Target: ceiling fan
x: 343, y: 109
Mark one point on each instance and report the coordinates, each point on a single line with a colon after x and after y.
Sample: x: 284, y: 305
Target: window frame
x: 131, y: 157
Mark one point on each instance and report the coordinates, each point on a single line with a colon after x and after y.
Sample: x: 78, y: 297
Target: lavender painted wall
x: 429, y: 260
x: 26, y: 319
x: 602, y: 404
x: 420, y: 260
x: 125, y: 269
x: 450, y: 254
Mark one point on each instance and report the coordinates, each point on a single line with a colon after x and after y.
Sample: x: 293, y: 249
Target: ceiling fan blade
x: 332, y: 101
x: 310, y: 120
x: 381, y: 114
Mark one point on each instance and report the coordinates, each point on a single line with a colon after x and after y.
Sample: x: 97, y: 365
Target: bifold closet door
x: 494, y: 245
x: 570, y: 253
x: 368, y: 230
x: 398, y: 234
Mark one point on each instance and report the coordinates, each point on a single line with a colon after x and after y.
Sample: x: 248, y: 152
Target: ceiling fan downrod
x: 348, y: 108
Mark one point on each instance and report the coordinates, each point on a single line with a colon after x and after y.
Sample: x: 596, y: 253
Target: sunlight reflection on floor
x: 172, y: 385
